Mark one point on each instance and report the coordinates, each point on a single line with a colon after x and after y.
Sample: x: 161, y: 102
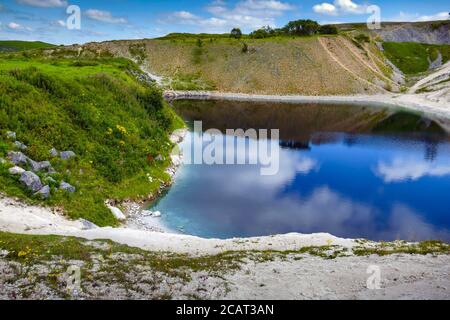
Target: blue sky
x: 46, y: 20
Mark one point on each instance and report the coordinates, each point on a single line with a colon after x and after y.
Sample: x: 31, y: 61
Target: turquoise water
x: 350, y: 171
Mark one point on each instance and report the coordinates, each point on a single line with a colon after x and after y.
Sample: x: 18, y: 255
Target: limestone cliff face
x: 432, y: 33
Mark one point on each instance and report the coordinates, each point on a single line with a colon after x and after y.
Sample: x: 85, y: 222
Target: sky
x: 56, y: 21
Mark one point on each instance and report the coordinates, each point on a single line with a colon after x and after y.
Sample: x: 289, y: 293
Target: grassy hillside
x: 317, y: 65
x: 412, y: 58
x: 95, y: 107
x: 9, y: 46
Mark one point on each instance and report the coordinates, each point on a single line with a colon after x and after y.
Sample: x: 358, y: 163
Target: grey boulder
x: 53, y: 152
x: 17, y: 157
x: 20, y: 145
x: 87, y: 225
x: 11, y: 135
x: 16, y: 170
x: 40, y: 166
x: 44, y: 192
x: 67, y: 187
x: 31, y: 181
x: 66, y: 155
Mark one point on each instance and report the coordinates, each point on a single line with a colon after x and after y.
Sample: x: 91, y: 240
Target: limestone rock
x: 44, y: 192
x: 67, y: 187
x: 16, y: 170
x: 11, y: 135
x: 17, y: 158
x: 53, y: 152
x: 66, y: 155
x: 31, y: 181
x: 116, y: 212
x: 20, y: 145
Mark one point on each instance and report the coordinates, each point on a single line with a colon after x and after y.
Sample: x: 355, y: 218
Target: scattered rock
x: 159, y: 158
x: 11, y: 135
x: 40, y: 166
x: 66, y: 155
x: 31, y: 181
x: 116, y: 212
x: 146, y: 213
x: 87, y: 225
x: 53, y: 152
x: 2, y: 161
x: 20, y: 145
x: 44, y: 192
x: 149, y: 213
x: 17, y: 158
x: 67, y: 187
x: 16, y: 170
x: 156, y: 214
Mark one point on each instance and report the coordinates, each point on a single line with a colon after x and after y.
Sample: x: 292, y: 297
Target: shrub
x: 244, y: 48
x: 328, y: 29
x: 301, y: 27
x: 362, y: 38
x: 236, y: 33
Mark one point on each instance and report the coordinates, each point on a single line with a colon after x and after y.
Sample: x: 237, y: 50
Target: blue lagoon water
x: 351, y: 171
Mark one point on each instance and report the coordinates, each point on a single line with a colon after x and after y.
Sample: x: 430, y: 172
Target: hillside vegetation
x: 9, y: 46
x: 93, y: 106
x: 314, y: 65
x: 412, y: 58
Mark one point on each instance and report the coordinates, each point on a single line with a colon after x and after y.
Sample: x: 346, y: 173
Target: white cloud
x: 340, y: 7
x: 185, y: 15
x: 249, y: 14
x: 403, y: 170
x: 326, y: 8
x: 18, y: 27
x: 14, y: 26
x: 44, y: 3
x: 415, y: 17
x: 437, y: 16
x: 104, y: 16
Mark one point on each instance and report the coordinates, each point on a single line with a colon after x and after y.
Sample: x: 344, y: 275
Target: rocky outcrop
x: 31, y: 181
x: 11, y: 135
x: 116, y: 212
x: 16, y: 170
x: 67, y: 187
x: 18, y: 158
x: 44, y: 193
x: 20, y: 145
x: 66, y: 155
x: 432, y: 33
x: 53, y: 152
x: 40, y: 166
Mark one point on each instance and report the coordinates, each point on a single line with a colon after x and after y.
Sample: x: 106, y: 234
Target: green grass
x: 421, y: 248
x: 96, y: 108
x: 413, y: 58
x: 9, y: 46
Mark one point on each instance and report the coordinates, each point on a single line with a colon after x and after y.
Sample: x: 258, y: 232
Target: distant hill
x: 317, y: 65
x: 13, y: 45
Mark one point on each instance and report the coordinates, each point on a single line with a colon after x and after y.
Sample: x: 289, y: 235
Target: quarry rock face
x: 430, y: 34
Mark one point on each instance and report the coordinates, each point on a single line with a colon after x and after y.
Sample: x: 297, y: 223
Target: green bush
x: 328, y: 29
